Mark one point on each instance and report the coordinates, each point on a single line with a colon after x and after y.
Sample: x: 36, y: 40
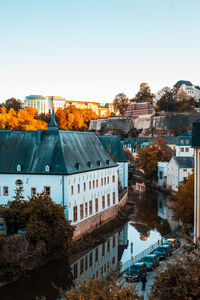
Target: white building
x: 192, y: 90
x: 44, y: 104
x: 73, y: 168
x: 184, y: 145
x: 178, y: 170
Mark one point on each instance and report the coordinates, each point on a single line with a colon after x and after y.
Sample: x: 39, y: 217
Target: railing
x: 145, y: 252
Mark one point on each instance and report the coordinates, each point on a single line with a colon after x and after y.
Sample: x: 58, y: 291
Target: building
x: 73, y: 168
x: 44, y: 104
x: 138, y: 109
x: 192, y: 90
x: 196, y: 146
x: 178, y: 170
x: 113, y: 146
x: 184, y: 145
x: 162, y: 173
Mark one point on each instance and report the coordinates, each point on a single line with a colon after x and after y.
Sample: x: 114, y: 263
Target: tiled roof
x: 113, y: 146
x: 65, y: 152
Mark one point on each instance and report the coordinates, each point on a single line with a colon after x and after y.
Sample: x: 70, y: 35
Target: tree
x: 181, y: 279
x: 166, y: 102
x: 144, y: 94
x: 148, y: 157
x: 121, y: 103
x: 182, y: 202
x: 16, y: 104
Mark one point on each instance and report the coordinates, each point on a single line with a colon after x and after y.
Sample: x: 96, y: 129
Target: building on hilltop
x: 73, y: 168
x: 113, y: 146
x: 45, y: 104
x: 138, y: 109
x: 191, y: 90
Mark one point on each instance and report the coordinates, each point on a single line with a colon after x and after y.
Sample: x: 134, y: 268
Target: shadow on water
x: 40, y: 282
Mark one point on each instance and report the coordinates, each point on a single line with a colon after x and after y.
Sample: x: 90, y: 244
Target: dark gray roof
x: 184, y: 162
x: 113, y: 146
x: 66, y: 152
x: 186, y: 82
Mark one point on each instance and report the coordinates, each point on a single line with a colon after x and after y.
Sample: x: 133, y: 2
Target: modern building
x: 73, y: 168
x: 178, y: 170
x: 44, y: 104
x: 196, y: 146
x: 113, y: 146
x: 192, y: 90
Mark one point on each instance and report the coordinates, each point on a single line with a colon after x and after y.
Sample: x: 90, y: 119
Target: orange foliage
x: 21, y: 120
x: 72, y: 118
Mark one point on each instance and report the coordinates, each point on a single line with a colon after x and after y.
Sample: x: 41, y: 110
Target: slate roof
x: 184, y: 162
x: 180, y: 82
x: 113, y: 146
x: 66, y: 152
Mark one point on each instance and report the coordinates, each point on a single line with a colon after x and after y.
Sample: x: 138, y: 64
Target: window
x: 90, y: 259
x: 81, y: 266
x: 103, y: 249
x: 90, y: 185
x: 75, y: 214
x: 108, y: 265
x: 96, y: 205
x: 108, y: 200
x: 81, y: 211
x: 86, y: 262
x: 5, y: 190
x: 113, y: 241
x: 113, y: 197
x: 186, y: 149
x: 182, y: 149
x: 184, y: 170
x: 78, y: 188
x: 113, y: 260
x: 33, y: 191
x: 75, y: 270
x: 47, y: 168
x: 18, y: 182
x: 96, y: 254
x: 84, y: 186
x: 160, y: 174
x: 108, y: 245
x: 86, y: 210
x: 103, y: 202
x: 97, y: 183
x: 104, y: 180
x: 107, y: 180
x: 101, y: 270
x: 113, y: 178
x: 104, y: 267
x: 93, y: 184
x: 184, y: 179
x: 182, y: 141
x: 187, y: 141
x: 101, y: 181
x: 19, y: 168
x: 47, y: 190
x: 72, y: 190
x: 90, y: 207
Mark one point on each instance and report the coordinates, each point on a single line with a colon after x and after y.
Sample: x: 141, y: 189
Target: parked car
x: 135, y: 271
x: 151, y: 261
x: 174, y: 242
x: 163, y: 251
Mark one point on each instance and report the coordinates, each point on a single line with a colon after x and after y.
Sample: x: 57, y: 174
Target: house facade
x: 162, y: 173
x: 73, y: 168
x: 178, y: 170
x: 184, y: 145
x: 191, y: 89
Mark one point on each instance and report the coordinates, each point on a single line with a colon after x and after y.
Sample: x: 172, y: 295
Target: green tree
x: 182, y: 202
x: 166, y: 102
x: 181, y: 279
x: 144, y: 94
x: 121, y: 103
x: 16, y: 104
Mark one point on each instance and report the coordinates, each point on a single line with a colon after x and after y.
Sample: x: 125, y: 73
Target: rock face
x: 171, y: 121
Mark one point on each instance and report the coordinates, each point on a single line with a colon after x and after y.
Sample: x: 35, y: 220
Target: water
x: 151, y: 221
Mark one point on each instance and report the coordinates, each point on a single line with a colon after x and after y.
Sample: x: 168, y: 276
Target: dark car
x: 163, y: 251
x: 174, y: 242
x: 151, y: 261
x: 135, y: 271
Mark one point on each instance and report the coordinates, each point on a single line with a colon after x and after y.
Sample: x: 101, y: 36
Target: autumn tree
x: 148, y: 157
x: 179, y: 280
x: 16, y: 104
x: 120, y: 103
x: 182, y: 202
x: 144, y: 94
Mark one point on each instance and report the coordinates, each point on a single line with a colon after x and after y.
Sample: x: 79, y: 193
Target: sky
x: 91, y: 50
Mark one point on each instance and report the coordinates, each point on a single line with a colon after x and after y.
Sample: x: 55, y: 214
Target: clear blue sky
x: 95, y: 49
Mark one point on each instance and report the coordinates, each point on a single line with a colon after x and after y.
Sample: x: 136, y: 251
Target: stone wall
x: 99, y: 219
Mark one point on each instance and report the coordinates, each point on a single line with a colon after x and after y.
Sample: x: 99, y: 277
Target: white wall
x: 186, y: 151
x: 123, y: 173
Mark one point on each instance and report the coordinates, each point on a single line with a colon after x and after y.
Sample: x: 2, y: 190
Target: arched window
x: 47, y: 168
x: 19, y: 182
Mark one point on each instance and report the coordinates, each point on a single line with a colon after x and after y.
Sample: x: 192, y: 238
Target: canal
x: 149, y: 223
